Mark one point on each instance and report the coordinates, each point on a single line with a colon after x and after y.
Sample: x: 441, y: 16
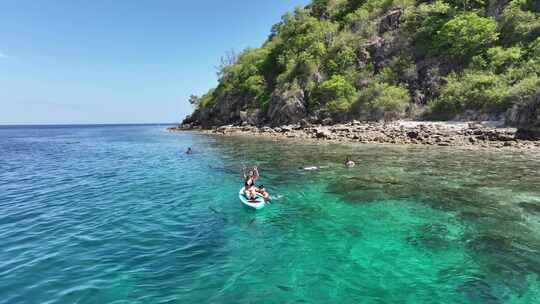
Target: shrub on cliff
x: 343, y: 59
x: 244, y: 78
x: 377, y: 98
x: 337, y: 93
x: 534, y: 50
x: 520, y: 21
x: 300, y: 42
x: 468, y: 4
x: 498, y: 59
x: 423, y: 22
x: 466, y: 35
x: 474, y: 90
x: 204, y: 101
x: 524, y: 90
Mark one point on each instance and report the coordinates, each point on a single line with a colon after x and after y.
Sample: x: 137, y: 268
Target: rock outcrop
x: 284, y: 108
x: 474, y: 135
x: 287, y: 107
x: 526, y: 117
x: 251, y: 117
x: 390, y: 21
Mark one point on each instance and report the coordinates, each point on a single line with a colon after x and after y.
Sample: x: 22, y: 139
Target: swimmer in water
x: 349, y: 163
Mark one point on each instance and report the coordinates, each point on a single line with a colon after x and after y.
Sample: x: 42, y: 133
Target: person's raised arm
x: 256, y: 170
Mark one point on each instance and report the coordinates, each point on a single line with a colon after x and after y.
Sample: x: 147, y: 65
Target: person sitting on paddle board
x: 262, y: 191
x: 249, y: 183
x: 250, y: 192
x: 251, y: 176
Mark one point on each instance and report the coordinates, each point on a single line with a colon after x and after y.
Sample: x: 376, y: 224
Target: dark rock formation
x: 495, y: 7
x: 287, y: 107
x: 390, y: 21
x: 427, y: 84
x: 251, y: 117
x: 526, y: 117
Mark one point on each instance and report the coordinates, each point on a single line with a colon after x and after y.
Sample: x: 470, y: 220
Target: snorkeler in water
x: 349, y: 163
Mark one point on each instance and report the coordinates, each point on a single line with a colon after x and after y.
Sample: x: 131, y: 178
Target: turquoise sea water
x: 119, y: 214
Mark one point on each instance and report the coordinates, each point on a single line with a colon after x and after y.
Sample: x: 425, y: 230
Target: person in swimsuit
x: 249, y: 183
x: 262, y: 191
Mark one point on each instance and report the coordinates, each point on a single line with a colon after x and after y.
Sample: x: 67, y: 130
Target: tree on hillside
x: 194, y: 100
x: 466, y: 35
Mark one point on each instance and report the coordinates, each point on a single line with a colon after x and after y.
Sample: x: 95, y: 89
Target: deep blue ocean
x: 120, y: 214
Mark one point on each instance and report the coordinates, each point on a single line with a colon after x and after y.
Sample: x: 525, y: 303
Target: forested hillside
x: 337, y: 60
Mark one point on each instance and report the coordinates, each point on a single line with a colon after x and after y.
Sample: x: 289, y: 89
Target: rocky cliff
x: 377, y: 60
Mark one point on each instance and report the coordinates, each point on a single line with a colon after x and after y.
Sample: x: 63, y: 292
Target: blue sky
x: 122, y: 61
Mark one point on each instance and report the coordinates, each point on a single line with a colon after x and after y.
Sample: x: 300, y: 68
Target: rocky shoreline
x: 456, y: 134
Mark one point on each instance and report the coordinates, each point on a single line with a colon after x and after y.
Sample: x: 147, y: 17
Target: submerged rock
x: 530, y: 207
x: 479, y: 291
x: 431, y: 236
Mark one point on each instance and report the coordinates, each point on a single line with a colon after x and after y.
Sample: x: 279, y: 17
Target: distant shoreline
x: 60, y: 125
x: 470, y: 135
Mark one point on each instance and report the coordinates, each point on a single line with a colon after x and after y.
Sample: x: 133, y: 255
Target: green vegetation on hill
x: 365, y: 59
